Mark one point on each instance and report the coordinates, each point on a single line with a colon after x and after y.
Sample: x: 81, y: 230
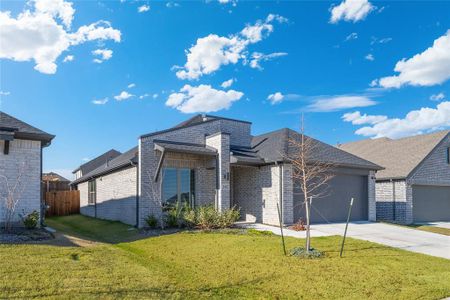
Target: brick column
x: 221, y: 142
x: 288, y: 194
x: 371, y: 197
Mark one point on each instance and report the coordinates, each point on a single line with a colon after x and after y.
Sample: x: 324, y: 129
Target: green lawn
x: 217, y: 265
x: 434, y: 229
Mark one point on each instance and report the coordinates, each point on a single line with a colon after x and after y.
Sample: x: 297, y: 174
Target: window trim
x: 92, y: 192
x: 191, y: 200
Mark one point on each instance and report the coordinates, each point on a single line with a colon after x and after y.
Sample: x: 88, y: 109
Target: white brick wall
x: 23, y: 155
x: 221, y: 142
x: 116, y: 197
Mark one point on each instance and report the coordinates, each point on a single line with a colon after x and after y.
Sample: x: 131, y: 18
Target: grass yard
x: 218, y: 265
x: 434, y: 229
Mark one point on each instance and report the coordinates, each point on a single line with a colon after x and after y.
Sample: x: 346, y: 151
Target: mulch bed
x: 23, y: 235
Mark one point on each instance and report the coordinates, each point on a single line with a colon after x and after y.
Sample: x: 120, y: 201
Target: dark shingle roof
x: 98, y: 161
x: 23, y: 130
x: 196, y: 120
x: 126, y: 159
x: 276, y: 146
x: 399, y: 157
x: 180, y: 147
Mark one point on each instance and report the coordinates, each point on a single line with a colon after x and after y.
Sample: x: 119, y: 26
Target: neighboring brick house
x: 215, y: 160
x: 415, y: 184
x: 21, y: 164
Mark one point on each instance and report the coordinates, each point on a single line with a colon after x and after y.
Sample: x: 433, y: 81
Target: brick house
x: 415, y: 184
x: 215, y: 160
x: 21, y: 156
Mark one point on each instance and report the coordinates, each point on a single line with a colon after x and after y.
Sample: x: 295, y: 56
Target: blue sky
x: 148, y: 70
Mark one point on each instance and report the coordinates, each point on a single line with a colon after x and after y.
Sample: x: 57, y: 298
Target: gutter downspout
x: 280, y: 189
x: 394, y: 202
x: 41, y: 195
x: 137, y: 194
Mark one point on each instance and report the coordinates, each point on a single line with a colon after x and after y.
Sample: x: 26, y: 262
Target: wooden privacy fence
x: 62, y: 203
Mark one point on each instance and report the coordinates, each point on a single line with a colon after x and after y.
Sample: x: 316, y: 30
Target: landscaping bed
x: 24, y: 235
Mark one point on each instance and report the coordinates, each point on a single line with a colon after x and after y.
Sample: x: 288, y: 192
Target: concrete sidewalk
x: 390, y: 235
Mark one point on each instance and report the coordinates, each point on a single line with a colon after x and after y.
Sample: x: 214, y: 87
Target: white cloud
x: 154, y: 96
x: 376, y: 40
x: 100, y: 101
x: 258, y: 57
x: 415, y: 122
x: 428, y: 68
x: 43, y: 33
x: 275, y: 98
x: 104, y: 54
x: 351, y: 36
x: 123, y: 96
x: 131, y: 85
x: 370, y: 57
x: 171, y: 4
x: 68, y: 58
x: 3, y: 93
x: 202, y: 98
x: 351, y: 10
x: 211, y: 52
x: 437, y: 97
x: 340, y: 102
x: 227, y: 83
x: 143, y: 8
x: 357, y: 119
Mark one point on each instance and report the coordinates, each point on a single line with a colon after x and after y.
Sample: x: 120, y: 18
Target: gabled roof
x: 16, y: 128
x: 52, y: 176
x: 276, y: 146
x: 124, y: 160
x: 98, y: 161
x: 399, y: 157
x: 196, y: 120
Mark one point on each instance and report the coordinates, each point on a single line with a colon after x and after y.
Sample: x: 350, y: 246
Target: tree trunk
x: 308, y: 234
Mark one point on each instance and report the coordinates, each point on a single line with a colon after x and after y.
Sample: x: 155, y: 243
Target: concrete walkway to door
x: 390, y: 235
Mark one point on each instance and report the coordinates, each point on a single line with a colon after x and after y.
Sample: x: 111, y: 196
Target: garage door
x: 334, y: 207
x: 431, y: 203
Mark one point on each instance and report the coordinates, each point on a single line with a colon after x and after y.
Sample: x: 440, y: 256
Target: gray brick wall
x: 149, y: 191
x: 24, y: 156
x: 256, y: 192
x: 398, y: 211
x: 434, y: 170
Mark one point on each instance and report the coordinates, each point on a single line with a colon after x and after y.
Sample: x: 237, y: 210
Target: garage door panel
x: 334, y: 207
x: 431, y: 203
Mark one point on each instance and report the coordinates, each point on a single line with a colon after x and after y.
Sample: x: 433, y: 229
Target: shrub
x: 151, y: 221
x: 301, y: 252
x: 31, y: 220
x: 299, y: 226
x: 203, y: 217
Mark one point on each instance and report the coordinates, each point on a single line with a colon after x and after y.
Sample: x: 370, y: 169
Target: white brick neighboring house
x: 214, y: 160
x: 415, y: 184
x: 21, y: 154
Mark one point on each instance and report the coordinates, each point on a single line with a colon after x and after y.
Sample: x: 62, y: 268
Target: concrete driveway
x: 390, y: 235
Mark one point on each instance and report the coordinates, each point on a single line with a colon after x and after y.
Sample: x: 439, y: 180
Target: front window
x: 92, y: 192
x: 448, y: 155
x: 178, y: 187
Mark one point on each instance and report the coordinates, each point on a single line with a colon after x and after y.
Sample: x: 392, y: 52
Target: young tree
x: 311, y: 173
x: 10, y: 194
